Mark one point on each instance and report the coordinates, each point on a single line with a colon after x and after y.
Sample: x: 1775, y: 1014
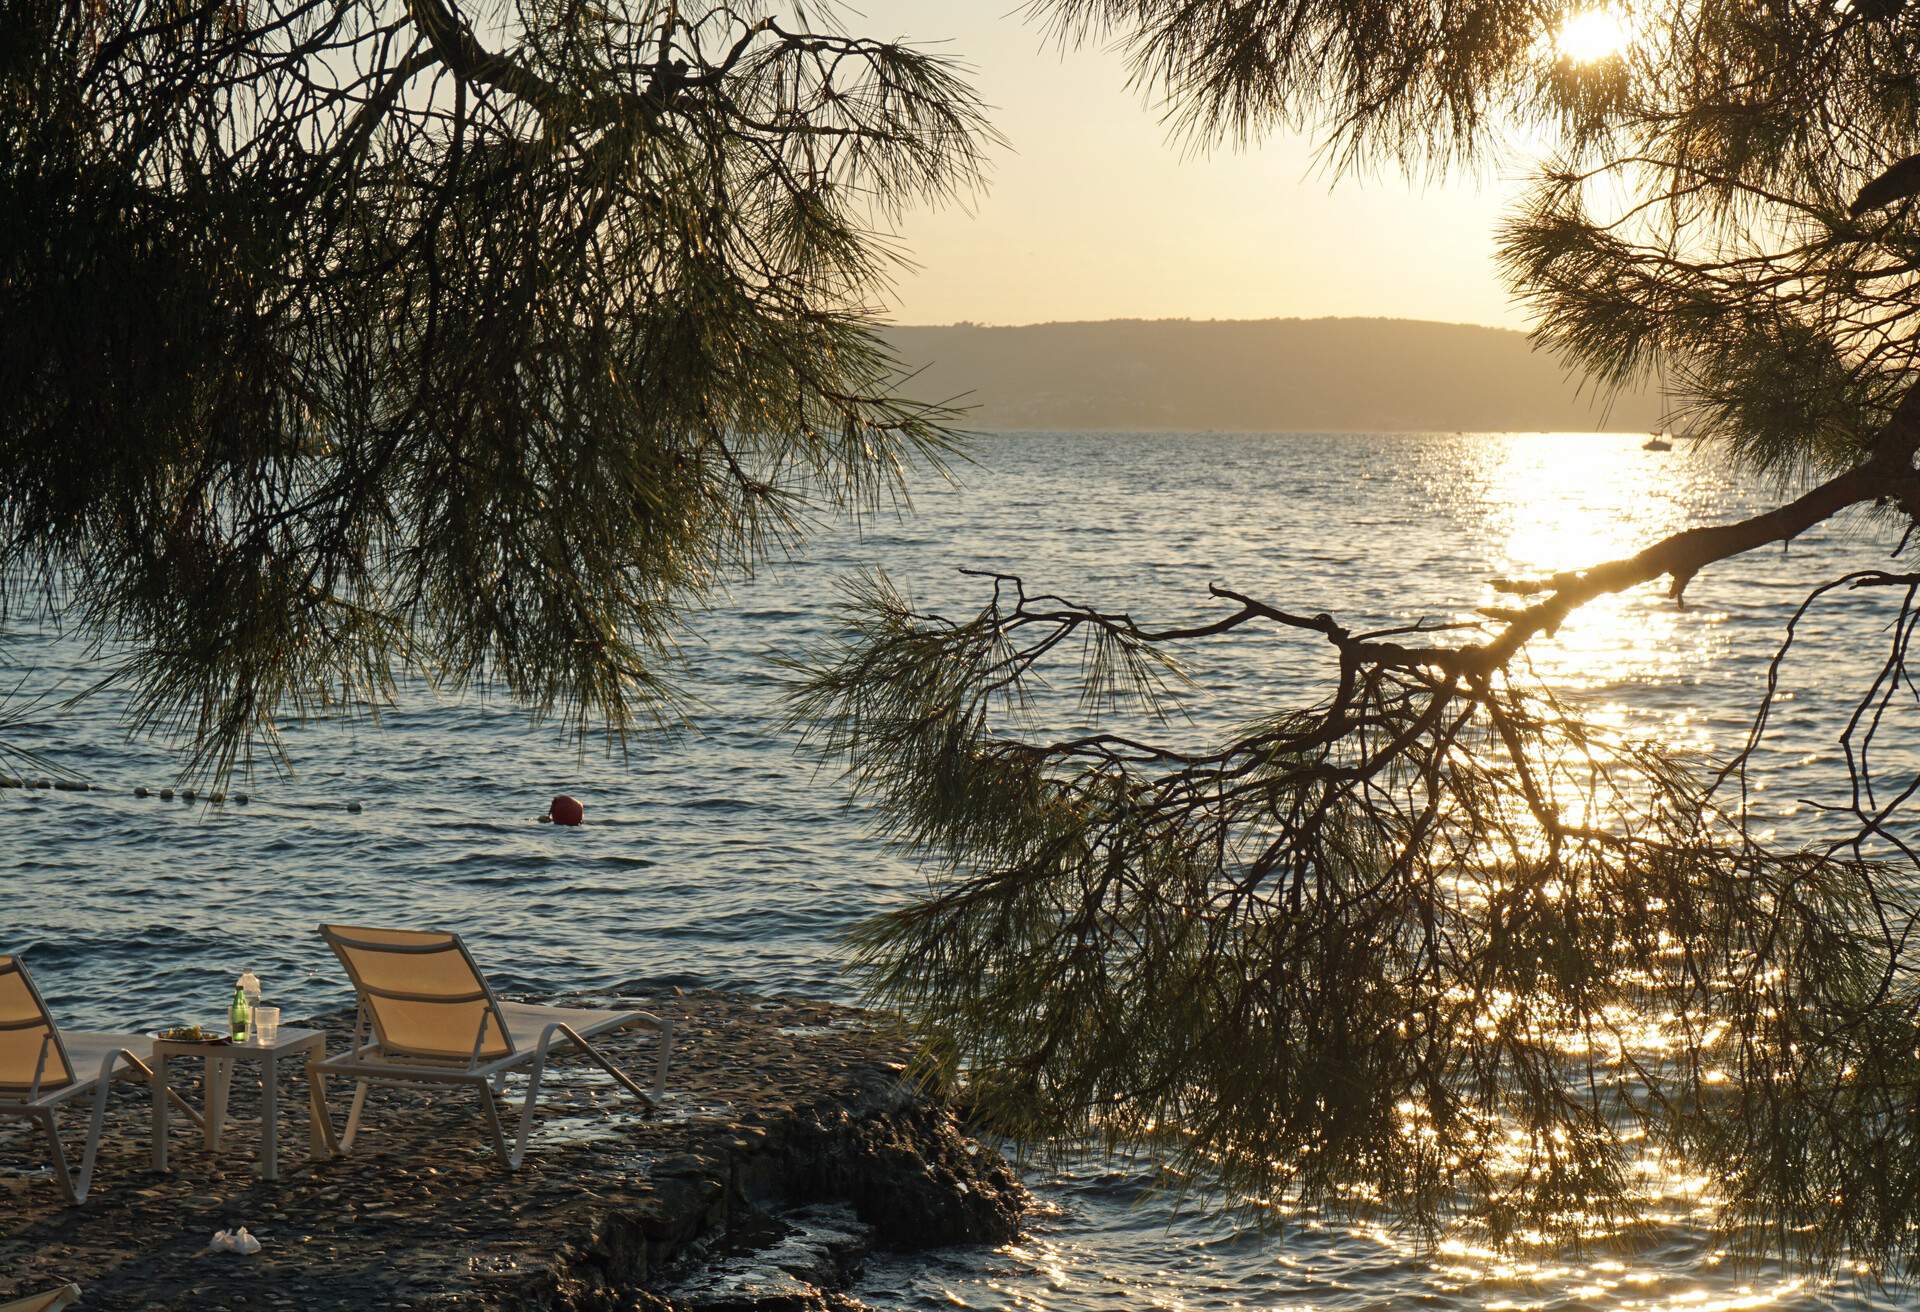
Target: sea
x: 718, y: 854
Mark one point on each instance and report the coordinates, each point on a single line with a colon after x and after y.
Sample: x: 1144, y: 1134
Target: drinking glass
x: 266, y: 1025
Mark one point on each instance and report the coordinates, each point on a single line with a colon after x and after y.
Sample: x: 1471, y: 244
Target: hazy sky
x: 1094, y: 214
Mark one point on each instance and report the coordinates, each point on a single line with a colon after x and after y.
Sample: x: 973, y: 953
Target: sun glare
x: 1590, y: 36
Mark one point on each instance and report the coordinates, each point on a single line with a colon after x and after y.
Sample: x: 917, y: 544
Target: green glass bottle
x: 239, y: 1015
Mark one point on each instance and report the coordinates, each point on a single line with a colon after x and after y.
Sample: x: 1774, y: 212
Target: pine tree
x: 350, y: 341
x: 1432, y: 944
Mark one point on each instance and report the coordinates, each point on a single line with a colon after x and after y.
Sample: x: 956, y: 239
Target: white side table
x: 220, y: 1060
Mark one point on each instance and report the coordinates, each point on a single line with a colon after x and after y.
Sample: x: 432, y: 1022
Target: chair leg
x: 535, y: 1074
x: 660, y: 1065
x: 63, y: 1176
x: 321, y: 1141
x: 631, y: 1085
x: 74, y: 1187
x: 509, y: 1160
x: 538, y: 1072
x: 92, y: 1153
x: 353, y: 1115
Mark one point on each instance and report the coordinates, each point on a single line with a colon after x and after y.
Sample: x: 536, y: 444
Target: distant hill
x: 1273, y: 374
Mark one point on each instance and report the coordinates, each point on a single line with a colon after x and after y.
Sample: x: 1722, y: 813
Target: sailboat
x: 1656, y: 442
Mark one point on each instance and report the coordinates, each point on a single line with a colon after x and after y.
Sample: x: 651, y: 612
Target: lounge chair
x: 51, y: 1301
x: 426, y: 1015
x: 42, y: 1067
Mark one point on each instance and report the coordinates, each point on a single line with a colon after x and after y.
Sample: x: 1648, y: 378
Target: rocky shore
x: 790, y: 1145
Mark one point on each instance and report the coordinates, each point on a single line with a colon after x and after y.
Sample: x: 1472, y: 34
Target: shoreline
x: 789, y: 1145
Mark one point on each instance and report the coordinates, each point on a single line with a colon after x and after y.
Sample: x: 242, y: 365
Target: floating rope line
x: 216, y: 797
x: 563, y: 810
x: 164, y: 794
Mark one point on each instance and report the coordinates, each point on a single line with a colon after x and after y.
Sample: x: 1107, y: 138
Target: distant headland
x: 1362, y: 375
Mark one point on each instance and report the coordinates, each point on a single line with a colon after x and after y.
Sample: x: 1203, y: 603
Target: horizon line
x: 1319, y: 318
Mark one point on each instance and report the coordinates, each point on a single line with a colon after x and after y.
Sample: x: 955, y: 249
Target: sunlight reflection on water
x: 1569, y: 503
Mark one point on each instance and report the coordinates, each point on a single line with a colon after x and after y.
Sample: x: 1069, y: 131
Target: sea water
x: 716, y: 855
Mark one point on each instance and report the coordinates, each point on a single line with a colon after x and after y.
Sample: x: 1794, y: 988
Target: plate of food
x: 192, y: 1034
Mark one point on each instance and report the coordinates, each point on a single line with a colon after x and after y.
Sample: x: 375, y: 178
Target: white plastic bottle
x: 246, y: 1000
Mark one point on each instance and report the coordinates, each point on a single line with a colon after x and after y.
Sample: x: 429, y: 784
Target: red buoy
x: 566, y: 811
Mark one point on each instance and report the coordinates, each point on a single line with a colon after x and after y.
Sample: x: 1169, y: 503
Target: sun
x: 1590, y: 35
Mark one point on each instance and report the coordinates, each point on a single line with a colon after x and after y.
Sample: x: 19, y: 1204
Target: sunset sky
x: 1093, y: 213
